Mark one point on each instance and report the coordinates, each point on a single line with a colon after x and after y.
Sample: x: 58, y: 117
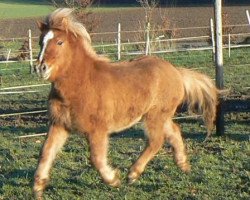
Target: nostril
x: 44, y: 68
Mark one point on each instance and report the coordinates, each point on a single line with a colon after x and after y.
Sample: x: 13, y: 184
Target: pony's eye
x: 60, y: 42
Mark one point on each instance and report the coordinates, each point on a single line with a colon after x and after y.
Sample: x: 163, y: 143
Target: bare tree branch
x: 148, y: 6
x: 73, y: 3
x: 81, y: 10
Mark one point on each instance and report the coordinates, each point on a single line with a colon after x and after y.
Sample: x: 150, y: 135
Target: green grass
x: 113, y: 8
x: 13, y: 9
x: 22, y: 9
x: 220, y: 167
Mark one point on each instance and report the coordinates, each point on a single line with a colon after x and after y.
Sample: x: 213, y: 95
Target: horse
x: 96, y: 97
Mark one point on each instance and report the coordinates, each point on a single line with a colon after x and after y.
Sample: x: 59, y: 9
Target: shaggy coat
x: 96, y: 97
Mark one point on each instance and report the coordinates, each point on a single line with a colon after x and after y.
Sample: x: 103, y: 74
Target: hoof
x: 131, y: 181
x: 115, y: 182
x: 38, y: 195
x: 185, y: 167
x: 207, y: 139
x: 39, y: 186
x: 133, y: 177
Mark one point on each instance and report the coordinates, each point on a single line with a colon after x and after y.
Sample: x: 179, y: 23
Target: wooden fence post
x: 212, y: 37
x: 147, y: 50
x: 248, y: 16
x: 219, y: 65
x: 229, y: 45
x: 30, y: 52
x: 119, y: 42
x: 8, y: 55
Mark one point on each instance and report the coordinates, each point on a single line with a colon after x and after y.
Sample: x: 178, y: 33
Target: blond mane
x: 63, y: 19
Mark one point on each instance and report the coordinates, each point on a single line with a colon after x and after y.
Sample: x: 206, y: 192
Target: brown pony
x: 96, y: 97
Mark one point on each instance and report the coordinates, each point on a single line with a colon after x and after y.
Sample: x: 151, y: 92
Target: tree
x: 164, y: 29
x: 148, y: 6
x: 73, y: 3
x: 82, y: 11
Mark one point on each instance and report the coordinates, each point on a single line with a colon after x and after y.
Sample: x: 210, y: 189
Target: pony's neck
x: 77, y: 74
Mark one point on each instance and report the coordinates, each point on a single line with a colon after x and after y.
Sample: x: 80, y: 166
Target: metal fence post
x: 30, y: 52
x: 219, y: 66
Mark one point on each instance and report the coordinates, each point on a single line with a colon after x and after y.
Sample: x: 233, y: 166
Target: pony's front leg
x: 55, y: 139
x: 98, y: 142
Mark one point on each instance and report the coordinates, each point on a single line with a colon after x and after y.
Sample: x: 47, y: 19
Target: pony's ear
x: 41, y: 25
x: 65, y: 24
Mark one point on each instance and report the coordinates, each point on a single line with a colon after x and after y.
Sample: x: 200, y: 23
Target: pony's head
x: 61, y: 36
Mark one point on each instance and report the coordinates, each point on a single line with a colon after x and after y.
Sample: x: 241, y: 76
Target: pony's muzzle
x: 42, y: 69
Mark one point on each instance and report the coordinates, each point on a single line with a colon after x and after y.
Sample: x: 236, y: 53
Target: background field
x: 22, y: 9
x: 13, y: 9
x: 220, y: 167
x: 129, y: 17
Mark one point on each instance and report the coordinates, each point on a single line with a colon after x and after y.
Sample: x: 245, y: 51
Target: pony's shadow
x: 135, y: 132
x: 198, y: 136
x: 130, y: 133
x: 201, y: 137
x: 18, y: 130
x: 15, y: 174
x: 239, y: 137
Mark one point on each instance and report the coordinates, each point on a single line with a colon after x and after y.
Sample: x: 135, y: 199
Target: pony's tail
x: 201, y: 96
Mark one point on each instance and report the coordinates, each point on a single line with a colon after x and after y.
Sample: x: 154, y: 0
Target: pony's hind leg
x: 173, y: 136
x: 98, y: 142
x: 56, y: 138
x: 155, y: 134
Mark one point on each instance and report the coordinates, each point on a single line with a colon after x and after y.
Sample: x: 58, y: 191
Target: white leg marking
x: 108, y: 173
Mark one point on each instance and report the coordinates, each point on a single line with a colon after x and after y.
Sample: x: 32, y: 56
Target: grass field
x: 12, y: 9
x: 21, y: 9
x: 220, y: 167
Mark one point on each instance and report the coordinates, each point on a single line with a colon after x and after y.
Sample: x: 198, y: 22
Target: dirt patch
x: 180, y: 17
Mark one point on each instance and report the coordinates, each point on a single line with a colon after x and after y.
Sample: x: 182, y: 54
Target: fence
x: 119, y: 49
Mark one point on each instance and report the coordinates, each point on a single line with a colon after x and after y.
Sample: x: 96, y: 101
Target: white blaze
x: 46, y: 39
